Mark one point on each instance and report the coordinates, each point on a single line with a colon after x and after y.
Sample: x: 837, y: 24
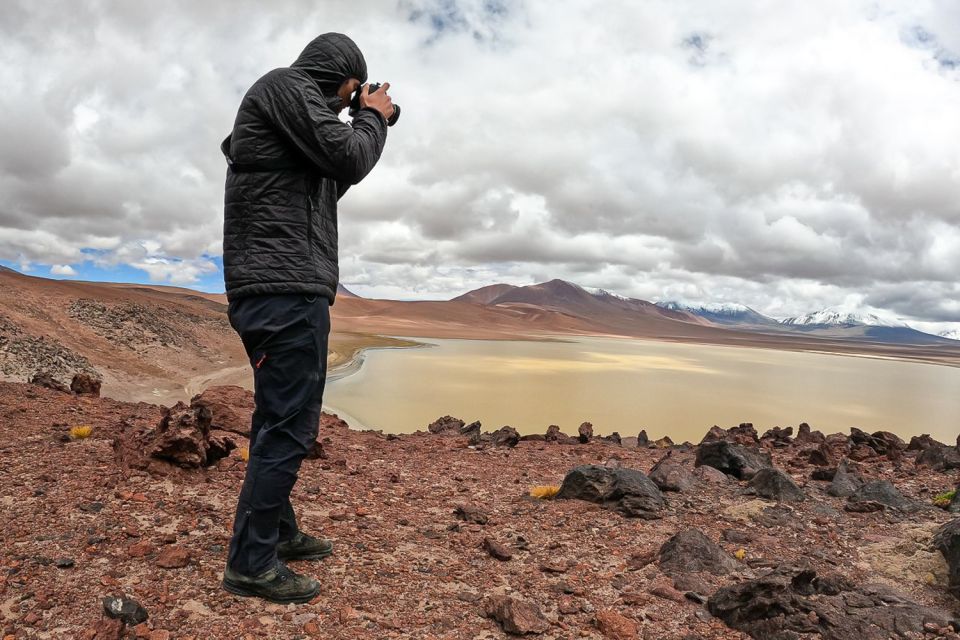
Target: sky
x: 789, y: 156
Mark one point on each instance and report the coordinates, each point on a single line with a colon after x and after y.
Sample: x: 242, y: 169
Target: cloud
x: 787, y: 159
x: 62, y: 270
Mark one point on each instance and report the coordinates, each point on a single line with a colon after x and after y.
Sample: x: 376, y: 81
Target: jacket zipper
x: 311, y: 207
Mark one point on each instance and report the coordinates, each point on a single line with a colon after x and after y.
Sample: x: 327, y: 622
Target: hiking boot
x: 304, y: 547
x: 279, y: 584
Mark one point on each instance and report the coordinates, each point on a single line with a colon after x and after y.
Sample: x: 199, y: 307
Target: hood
x: 330, y: 59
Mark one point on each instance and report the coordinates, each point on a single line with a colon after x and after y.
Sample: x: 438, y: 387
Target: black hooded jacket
x: 290, y: 159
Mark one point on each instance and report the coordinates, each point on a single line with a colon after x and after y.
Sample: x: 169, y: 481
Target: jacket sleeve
x: 343, y: 152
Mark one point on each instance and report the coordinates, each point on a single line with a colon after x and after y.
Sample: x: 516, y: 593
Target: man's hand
x: 378, y: 100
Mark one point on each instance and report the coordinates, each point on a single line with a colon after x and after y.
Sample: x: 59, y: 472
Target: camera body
x: 355, y: 104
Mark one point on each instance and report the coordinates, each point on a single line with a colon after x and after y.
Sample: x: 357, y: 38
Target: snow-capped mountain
x: 836, y: 316
x: 952, y: 334
x: 720, y: 312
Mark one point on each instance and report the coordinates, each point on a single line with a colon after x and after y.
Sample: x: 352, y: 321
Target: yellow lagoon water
x: 625, y: 385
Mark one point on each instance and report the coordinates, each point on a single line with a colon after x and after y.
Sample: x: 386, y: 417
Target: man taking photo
x: 290, y: 159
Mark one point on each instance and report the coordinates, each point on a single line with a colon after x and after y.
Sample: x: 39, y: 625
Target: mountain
x: 952, y: 334
x: 484, y: 295
x: 835, y: 316
x: 597, y: 305
x: 725, y: 313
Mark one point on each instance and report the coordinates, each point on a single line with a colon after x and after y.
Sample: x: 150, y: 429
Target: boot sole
x: 247, y: 592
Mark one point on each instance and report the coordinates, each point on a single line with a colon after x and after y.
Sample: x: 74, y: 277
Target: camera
x: 355, y: 104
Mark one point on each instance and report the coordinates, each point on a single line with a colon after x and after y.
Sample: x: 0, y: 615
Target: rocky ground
x: 436, y: 534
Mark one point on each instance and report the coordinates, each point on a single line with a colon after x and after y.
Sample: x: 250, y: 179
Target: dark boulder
x: 643, y: 439
x: 792, y: 603
x: 923, y: 442
x: 715, y: 434
x: 470, y: 429
x: 878, y: 495
x: 821, y: 456
x: 85, y: 384
x: 446, y: 425
x: 736, y: 460
x: 883, y: 443
x: 947, y: 542
x: 505, y: 436
x: 744, y: 433
x: 845, y: 481
x: 613, y: 438
x: 125, y: 609
x: 777, y: 437
x: 625, y: 490
x: 555, y: 435
x: 807, y: 436
x: 670, y: 475
x: 776, y: 485
x: 690, y: 551
x: 585, y: 432
x: 939, y: 457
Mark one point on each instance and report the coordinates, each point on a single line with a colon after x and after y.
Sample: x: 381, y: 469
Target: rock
x: 317, y: 451
x: 777, y: 437
x: 736, y: 460
x: 844, y: 482
x: 125, y: 609
x: 625, y: 490
x: 939, y: 457
x: 470, y: 513
x: 516, y: 616
x: 711, y: 475
x: 643, y: 439
x: 446, y: 425
x: 497, y: 550
x: 221, y: 443
x: 108, y: 629
x: 663, y: 443
x: 505, y: 436
x: 585, y: 432
x: 882, y: 443
x: 231, y: 408
x: 715, y: 434
x: 776, y: 485
x: 46, y: 379
x: 862, y: 452
x: 615, y: 626
x: 744, y: 433
x: 85, y: 384
x: 613, y: 438
x: 172, y: 557
x: 792, y: 603
x: 670, y: 475
x: 821, y: 456
x: 947, y: 542
x: 64, y: 563
x: 181, y: 436
x: 690, y: 550
x: 470, y: 429
x: 878, y: 495
x: 923, y: 442
x: 805, y: 435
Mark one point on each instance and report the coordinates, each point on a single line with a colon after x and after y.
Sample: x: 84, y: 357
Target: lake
x: 625, y: 385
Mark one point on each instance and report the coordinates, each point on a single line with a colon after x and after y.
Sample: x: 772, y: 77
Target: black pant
x: 285, y: 337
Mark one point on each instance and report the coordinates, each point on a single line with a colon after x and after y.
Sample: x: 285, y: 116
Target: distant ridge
x: 725, y: 313
x: 484, y: 295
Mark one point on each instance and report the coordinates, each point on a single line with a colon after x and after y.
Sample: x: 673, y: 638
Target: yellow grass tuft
x: 245, y: 453
x: 740, y: 554
x: 80, y: 432
x: 544, y: 492
x: 943, y: 499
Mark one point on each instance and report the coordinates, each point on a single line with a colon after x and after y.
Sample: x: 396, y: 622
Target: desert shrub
x: 544, y: 492
x: 80, y: 432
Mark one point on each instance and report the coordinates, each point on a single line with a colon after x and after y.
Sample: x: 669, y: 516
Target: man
x: 290, y: 158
